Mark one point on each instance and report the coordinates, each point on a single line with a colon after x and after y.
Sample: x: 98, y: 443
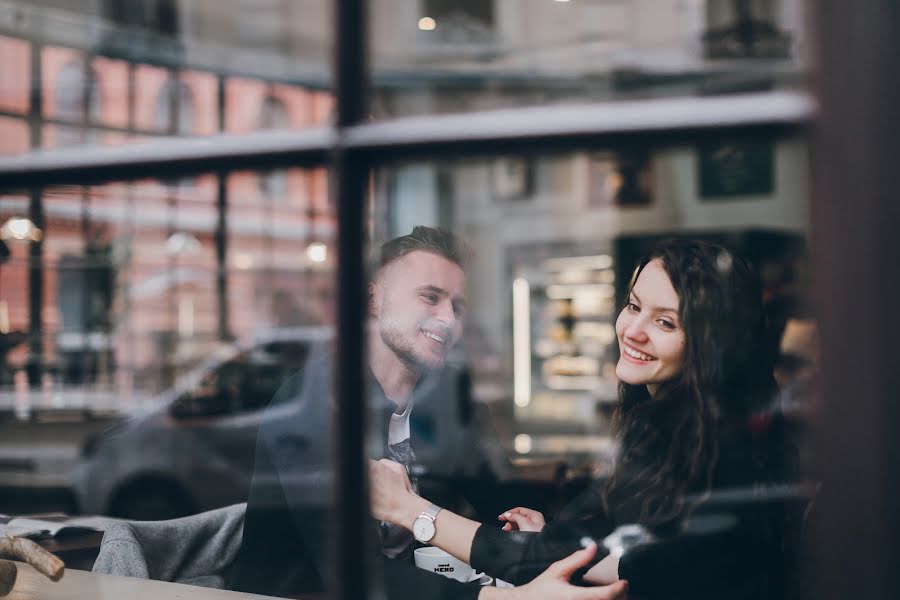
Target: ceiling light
x: 20, y: 229
x: 317, y: 252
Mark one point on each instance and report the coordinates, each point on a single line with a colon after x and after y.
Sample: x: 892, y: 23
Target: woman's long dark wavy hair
x: 670, y: 441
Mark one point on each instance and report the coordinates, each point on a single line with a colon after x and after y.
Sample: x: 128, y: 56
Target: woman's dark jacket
x: 736, y: 542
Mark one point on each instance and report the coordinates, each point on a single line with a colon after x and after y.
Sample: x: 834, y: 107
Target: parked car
x: 195, y: 451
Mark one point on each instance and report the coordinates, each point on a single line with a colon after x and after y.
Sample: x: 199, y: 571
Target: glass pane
x: 641, y: 414
x: 446, y: 56
x: 108, y: 72
x: 171, y: 337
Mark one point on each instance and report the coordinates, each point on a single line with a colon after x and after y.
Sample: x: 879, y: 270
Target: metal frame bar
x: 664, y: 121
x: 35, y: 364
x: 350, y: 551
x: 855, y: 218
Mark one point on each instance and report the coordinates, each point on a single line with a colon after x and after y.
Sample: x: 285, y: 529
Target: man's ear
x: 374, y: 299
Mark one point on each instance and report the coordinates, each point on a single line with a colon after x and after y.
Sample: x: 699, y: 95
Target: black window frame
x: 861, y: 80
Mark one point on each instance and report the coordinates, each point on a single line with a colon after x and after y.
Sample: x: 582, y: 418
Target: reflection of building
x: 130, y: 288
x: 114, y: 71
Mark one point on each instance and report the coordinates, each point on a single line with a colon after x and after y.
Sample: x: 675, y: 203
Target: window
x: 158, y: 16
x: 458, y: 24
x: 539, y: 348
x: 77, y: 101
x: 273, y: 115
x: 175, y: 108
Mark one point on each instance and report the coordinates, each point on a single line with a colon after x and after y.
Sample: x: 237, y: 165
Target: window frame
x: 352, y: 148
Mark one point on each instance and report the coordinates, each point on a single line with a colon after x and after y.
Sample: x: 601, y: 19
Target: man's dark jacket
x: 285, y: 547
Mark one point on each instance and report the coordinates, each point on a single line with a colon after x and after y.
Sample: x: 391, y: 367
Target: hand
x: 604, y: 572
x: 390, y: 490
x: 522, y: 519
x: 554, y: 582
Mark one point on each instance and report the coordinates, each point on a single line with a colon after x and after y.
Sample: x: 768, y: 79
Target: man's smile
x: 434, y: 336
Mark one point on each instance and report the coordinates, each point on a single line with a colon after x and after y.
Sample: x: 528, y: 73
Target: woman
x: 693, y: 371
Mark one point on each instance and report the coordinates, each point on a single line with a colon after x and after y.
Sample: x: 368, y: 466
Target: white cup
x: 437, y: 561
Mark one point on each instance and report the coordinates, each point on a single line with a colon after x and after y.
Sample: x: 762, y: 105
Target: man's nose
x: 445, y: 313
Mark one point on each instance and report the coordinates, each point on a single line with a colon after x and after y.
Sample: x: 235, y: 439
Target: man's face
x: 418, y: 302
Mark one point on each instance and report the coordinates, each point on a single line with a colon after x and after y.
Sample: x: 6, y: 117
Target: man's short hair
x: 435, y: 240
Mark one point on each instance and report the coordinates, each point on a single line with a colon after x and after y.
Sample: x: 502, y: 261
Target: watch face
x: 423, y: 529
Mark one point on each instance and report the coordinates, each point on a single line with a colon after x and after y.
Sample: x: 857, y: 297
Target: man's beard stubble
x: 392, y: 336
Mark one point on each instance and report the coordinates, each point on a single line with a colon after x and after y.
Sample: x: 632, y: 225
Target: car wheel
x: 151, y: 499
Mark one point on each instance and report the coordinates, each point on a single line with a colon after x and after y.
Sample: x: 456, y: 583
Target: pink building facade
x: 132, y: 293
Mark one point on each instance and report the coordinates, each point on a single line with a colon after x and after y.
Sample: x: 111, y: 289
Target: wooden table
x: 77, y: 551
x: 82, y: 585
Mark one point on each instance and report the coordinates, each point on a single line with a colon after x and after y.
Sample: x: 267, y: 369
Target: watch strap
x: 431, y: 512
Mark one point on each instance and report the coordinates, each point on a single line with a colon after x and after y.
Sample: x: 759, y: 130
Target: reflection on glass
x: 114, y: 71
x: 135, y: 295
x: 553, y: 428
x: 443, y: 57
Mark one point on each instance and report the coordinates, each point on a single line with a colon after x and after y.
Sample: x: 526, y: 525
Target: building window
x: 175, y: 116
x: 175, y: 108
x: 273, y: 115
x: 744, y: 29
x: 459, y: 22
x: 77, y: 101
x: 158, y: 16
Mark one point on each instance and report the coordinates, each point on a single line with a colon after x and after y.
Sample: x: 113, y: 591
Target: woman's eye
x: 632, y: 307
x: 666, y: 324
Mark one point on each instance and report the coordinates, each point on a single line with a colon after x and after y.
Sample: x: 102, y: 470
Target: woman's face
x: 651, y: 340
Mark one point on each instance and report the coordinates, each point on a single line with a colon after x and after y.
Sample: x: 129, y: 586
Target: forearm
x: 453, y: 533
x: 493, y: 593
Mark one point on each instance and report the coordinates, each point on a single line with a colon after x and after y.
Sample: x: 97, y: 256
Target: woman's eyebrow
x: 657, y: 308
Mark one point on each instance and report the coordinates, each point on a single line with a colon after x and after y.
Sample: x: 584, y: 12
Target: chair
x: 194, y: 550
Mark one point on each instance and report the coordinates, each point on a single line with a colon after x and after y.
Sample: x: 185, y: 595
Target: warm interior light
x: 427, y: 24
x: 317, y: 252
x: 20, y: 229
x: 4, y: 317
x: 243, y: 261
x: 521, y: 342
x: 522, y: 443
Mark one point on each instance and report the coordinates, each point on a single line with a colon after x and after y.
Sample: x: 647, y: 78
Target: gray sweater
x: 194, y: 550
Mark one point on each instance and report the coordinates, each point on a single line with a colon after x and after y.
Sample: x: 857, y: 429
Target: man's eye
x: 430, y: 298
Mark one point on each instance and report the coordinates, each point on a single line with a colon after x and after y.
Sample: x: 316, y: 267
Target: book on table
x: 41, y: 528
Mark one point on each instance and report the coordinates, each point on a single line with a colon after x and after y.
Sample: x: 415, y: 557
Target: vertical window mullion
x: 348, y: 186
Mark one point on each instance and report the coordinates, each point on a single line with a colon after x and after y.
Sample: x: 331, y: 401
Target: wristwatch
x: 423, y: 526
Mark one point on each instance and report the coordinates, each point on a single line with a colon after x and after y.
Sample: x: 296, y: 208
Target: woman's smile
x: 636, y: 355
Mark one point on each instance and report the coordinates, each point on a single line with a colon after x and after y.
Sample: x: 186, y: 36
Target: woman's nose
x: 636, y: 331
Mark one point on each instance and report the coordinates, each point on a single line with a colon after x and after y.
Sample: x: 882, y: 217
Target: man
x: 416, y: 305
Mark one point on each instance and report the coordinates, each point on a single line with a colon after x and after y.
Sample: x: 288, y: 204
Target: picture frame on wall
x: 620, y: 179
x: 728, y: 169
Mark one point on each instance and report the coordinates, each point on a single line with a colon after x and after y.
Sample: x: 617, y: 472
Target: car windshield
x: 245, y: 382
